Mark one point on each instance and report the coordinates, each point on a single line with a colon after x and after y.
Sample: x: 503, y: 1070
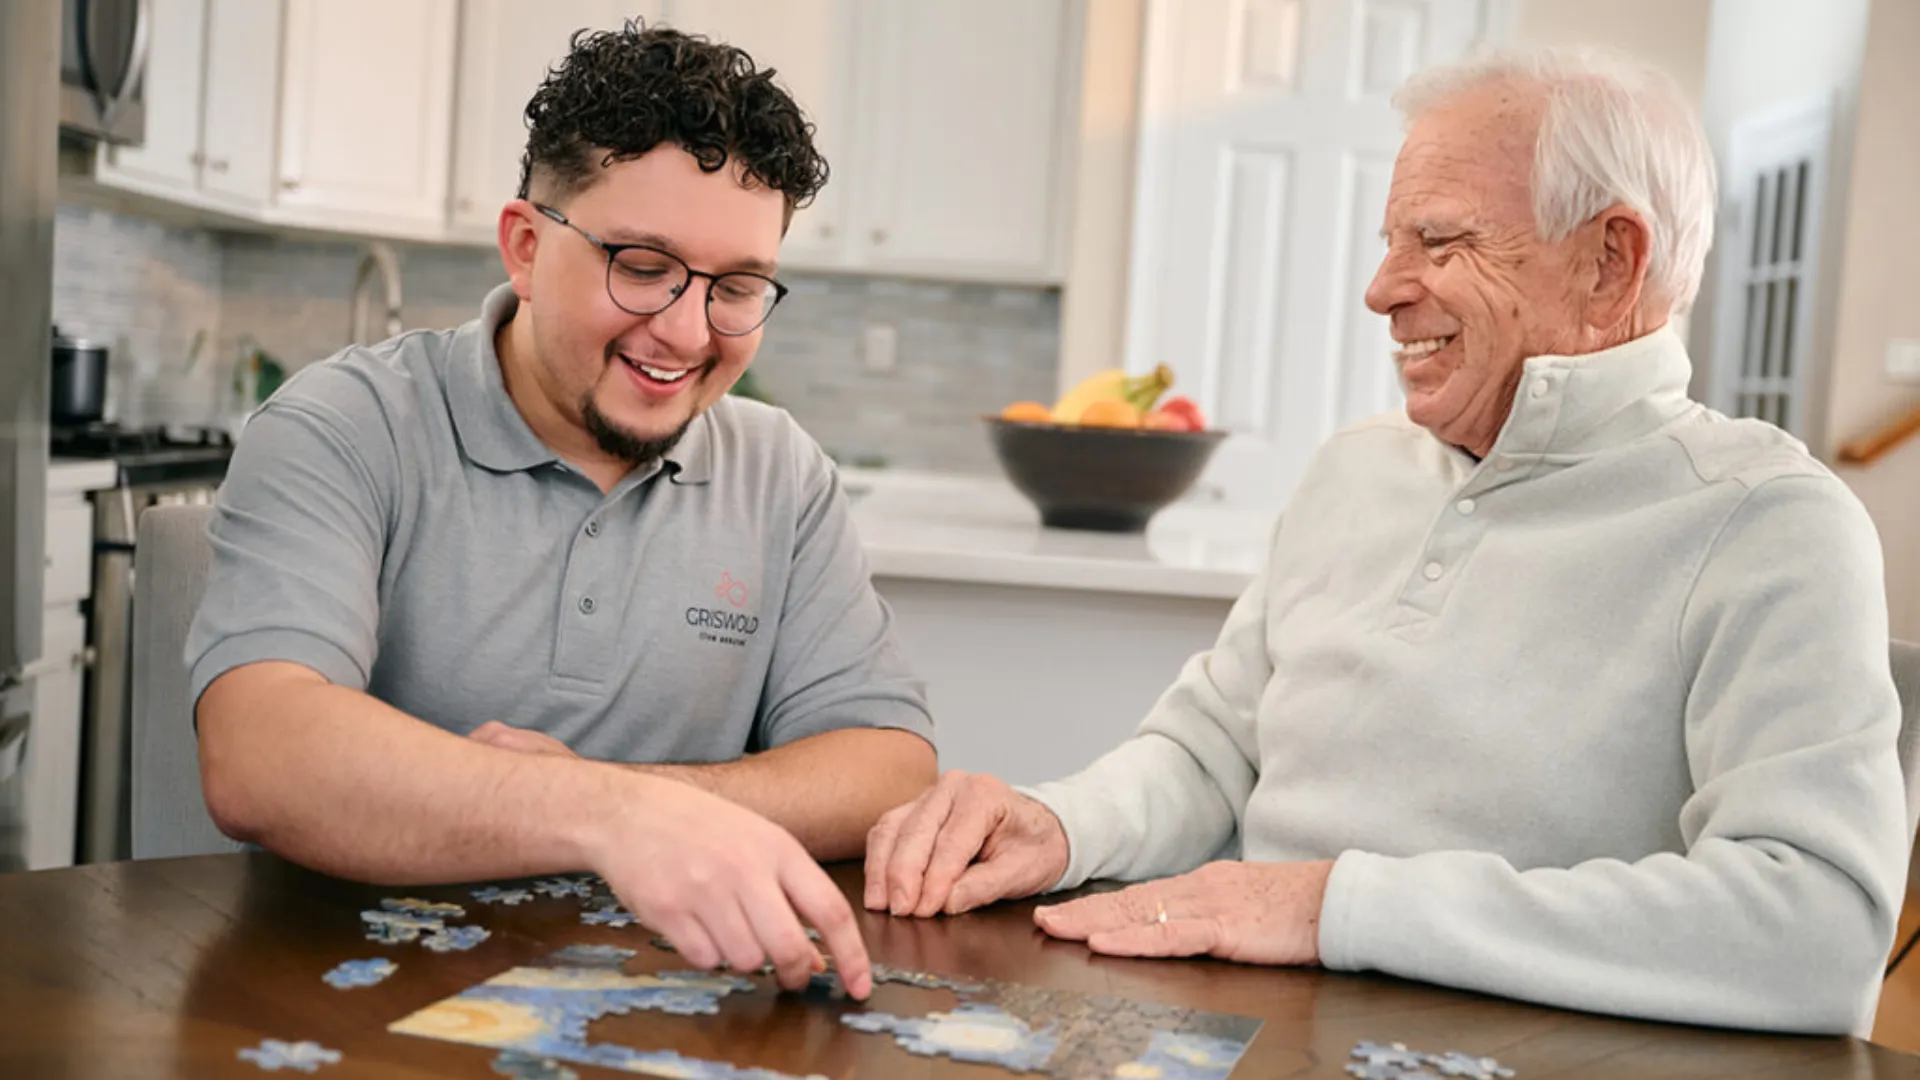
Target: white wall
x: 1878, y: 268
x: 1669, y: 34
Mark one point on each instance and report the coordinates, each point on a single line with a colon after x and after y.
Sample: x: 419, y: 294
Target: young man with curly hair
x: 534, y: 594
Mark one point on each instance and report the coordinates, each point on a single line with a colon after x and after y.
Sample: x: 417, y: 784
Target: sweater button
x: 1434, y: 570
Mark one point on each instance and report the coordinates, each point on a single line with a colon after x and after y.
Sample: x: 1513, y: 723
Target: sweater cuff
x: 1058, y: 796
x: 1343, y: 921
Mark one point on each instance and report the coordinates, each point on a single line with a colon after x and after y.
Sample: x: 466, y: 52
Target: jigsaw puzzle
x: 272, y: 1055
x: 352, y: 973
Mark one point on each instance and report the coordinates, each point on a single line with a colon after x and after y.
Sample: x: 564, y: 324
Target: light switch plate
x: 1903, y: 359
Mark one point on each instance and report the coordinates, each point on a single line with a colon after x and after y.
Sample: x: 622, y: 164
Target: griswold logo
x: 717, y: 624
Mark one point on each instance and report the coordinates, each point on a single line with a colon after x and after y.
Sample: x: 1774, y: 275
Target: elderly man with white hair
x: 1559, y: 686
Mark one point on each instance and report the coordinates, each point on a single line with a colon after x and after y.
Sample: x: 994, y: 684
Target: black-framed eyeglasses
x: 644, y: 280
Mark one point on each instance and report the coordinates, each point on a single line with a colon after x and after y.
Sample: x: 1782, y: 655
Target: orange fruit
x: 1111, y: 412
x: 1030, y: 412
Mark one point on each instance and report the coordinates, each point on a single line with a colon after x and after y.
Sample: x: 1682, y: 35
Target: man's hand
x: 723, y: 883
x: 521, y: 740
x: 1255, y: 913
x: 969, y: 841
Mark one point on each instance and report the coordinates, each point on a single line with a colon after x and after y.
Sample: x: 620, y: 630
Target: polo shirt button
x: 586, y: 605
x: 1434, y: 570
x: 1465, y: 506
x: 1541, y: 387
x: 593, y: 528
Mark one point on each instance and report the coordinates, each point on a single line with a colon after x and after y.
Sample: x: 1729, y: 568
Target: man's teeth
x: 1414, y: 350
x: 662, y: 374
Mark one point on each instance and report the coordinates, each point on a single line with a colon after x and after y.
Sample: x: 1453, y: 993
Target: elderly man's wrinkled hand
x: 1255, y: 913
x: 966, y: 842
x: 520, y: 740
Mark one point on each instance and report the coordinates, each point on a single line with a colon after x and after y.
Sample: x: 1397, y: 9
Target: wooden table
x: 168, y: 967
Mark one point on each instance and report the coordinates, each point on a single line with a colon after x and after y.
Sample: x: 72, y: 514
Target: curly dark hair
x: 620, y: 93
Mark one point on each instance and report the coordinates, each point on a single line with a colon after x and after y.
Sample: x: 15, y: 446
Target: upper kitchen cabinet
x: 967, y: 152
x: 212, y: 82
x: 366, y: 116
x: 812, y: 46
x: 506, y: 48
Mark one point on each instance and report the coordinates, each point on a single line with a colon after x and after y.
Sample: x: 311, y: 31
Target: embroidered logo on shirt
x: 719, y: 626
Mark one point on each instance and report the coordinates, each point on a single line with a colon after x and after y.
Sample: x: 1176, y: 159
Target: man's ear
x: 519, y: 238
x: 1622, y: 252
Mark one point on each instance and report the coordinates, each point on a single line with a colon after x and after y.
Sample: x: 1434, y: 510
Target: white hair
x: 1615, y: 131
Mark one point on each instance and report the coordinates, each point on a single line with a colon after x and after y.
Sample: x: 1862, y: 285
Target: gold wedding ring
x: 1160, y: 911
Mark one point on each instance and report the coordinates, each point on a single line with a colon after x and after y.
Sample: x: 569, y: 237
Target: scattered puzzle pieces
x: 428, y: 909
x: 562, y: 887
x: 1393, y: 1061
x: 393, y: 927
x: 456, y: 938
x: 272, y: 1055
x: 352, y: 973
x: 925, y: 980
x: 524, y: 1066
x: 608, y: 916
x: 608, y: 957
x: 494, y: 894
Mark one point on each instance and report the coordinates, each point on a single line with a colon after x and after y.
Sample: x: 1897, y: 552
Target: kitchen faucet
x: 379, y: 258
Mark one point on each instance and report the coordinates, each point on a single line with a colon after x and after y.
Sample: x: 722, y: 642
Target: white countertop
x: 77, y: 476
x: 948, y: 527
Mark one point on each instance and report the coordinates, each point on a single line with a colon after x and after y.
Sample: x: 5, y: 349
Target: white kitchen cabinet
x: 212, y: 84
x: 169, y: 157
x: 366, y: 113
x: 506, y: 48
x: 967, y: 142
x: 242, y: 93
x: 50, y: 767
x: 814, y: 47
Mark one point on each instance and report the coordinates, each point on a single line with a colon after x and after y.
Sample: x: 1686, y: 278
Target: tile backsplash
x: 147, y: 289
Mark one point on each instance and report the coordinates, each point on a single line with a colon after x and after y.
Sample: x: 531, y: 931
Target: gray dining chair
x: 170, y: 560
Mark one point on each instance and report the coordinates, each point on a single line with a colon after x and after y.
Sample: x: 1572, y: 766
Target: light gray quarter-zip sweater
x: 1604, y: 721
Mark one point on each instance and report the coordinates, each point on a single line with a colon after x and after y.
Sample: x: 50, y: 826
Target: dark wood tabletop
x: 170, y: 967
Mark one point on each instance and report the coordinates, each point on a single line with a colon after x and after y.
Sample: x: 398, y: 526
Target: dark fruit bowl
x: 1109, y: 479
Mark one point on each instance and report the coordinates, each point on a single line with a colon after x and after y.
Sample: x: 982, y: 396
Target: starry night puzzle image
x: 541, y: 1011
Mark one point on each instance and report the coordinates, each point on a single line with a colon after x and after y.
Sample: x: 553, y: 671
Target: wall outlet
x: 1903, y: 360
x: 877, y: 347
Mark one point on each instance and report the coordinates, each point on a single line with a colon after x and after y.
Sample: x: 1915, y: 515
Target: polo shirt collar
x: 494, y: 434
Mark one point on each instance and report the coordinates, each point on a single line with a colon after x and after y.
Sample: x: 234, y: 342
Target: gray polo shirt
x: 391, y: 522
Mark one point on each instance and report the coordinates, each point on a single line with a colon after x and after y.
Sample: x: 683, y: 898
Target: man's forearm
x: 826, y: 789
x: 341, y: 782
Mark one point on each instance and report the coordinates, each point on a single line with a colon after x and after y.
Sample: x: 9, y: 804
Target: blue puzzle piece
x: 607, y: 917
x: 352, y: 973
x: 607, y: 957
x: 494, y: 894
x: 426, y: 909
x: 272, y: 1055
x: 456, y: 938
x: 524, y: 1066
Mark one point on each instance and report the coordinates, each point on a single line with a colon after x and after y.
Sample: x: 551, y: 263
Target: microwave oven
x: 103, y: 64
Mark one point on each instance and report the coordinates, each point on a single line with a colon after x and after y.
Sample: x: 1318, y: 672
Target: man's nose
x: 1394, y: 284
x: 683, y: 326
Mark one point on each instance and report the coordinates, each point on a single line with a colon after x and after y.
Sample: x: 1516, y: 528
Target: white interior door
x: 1267, y: 145
x: 1768, y: 255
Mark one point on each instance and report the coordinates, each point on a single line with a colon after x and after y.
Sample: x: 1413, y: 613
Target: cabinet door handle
x: 465, y: 204
x: 290, y: 183
x: 196, y: 159
x: 879, y: 236
x: 826, y: 232
x: 220, y: 165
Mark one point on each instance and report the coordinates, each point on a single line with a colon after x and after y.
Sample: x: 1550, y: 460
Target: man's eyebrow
x: 620, y: 237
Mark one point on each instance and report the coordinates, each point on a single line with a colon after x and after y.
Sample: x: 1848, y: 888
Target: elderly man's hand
x: 520, y: 740
x: 966, y: 842
x: 1255, y: 913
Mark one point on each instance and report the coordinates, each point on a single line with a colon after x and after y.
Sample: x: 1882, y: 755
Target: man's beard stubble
x: 620, y: 443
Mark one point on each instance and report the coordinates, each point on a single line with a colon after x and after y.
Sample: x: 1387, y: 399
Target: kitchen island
x: 1042, y: 648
